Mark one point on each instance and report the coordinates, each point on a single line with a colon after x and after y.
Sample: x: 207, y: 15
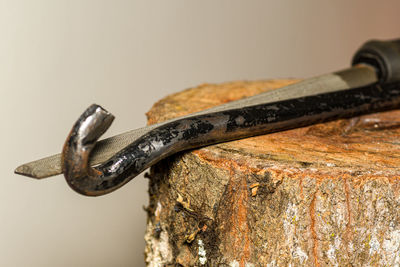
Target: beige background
x: 58, y: 57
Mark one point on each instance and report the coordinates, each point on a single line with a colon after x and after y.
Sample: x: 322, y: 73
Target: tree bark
x: 324, y: 195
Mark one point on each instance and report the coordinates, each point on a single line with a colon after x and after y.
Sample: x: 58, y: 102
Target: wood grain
x: 322, y: 195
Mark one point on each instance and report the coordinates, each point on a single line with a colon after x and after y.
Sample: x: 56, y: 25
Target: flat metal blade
x: 342, y: 80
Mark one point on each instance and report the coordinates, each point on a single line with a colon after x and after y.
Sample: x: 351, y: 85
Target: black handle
x: 384, y: 56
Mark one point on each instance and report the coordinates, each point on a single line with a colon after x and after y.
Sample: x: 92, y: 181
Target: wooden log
x: 324, y: 195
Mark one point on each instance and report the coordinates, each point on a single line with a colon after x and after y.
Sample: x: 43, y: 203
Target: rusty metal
x: 357, y: 76
x: 342, y: 94
x: 204, y: 130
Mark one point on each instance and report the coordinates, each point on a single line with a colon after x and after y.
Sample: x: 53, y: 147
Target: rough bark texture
x: 325, y: 195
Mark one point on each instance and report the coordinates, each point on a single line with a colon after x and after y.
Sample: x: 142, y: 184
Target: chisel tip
x: 42, y: 168
x: 26, y: 171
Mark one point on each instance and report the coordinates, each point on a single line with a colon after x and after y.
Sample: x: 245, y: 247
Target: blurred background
x: 58, y: 57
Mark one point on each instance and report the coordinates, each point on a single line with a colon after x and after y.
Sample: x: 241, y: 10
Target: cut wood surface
x: 324, y: 195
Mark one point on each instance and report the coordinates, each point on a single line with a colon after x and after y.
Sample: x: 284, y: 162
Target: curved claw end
x: 80, y: 142
x: 93, y: 123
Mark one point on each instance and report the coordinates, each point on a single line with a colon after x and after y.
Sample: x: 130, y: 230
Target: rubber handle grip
x: 384, y: 56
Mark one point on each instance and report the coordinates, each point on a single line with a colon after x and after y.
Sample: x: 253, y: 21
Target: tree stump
x: 324, y: 195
